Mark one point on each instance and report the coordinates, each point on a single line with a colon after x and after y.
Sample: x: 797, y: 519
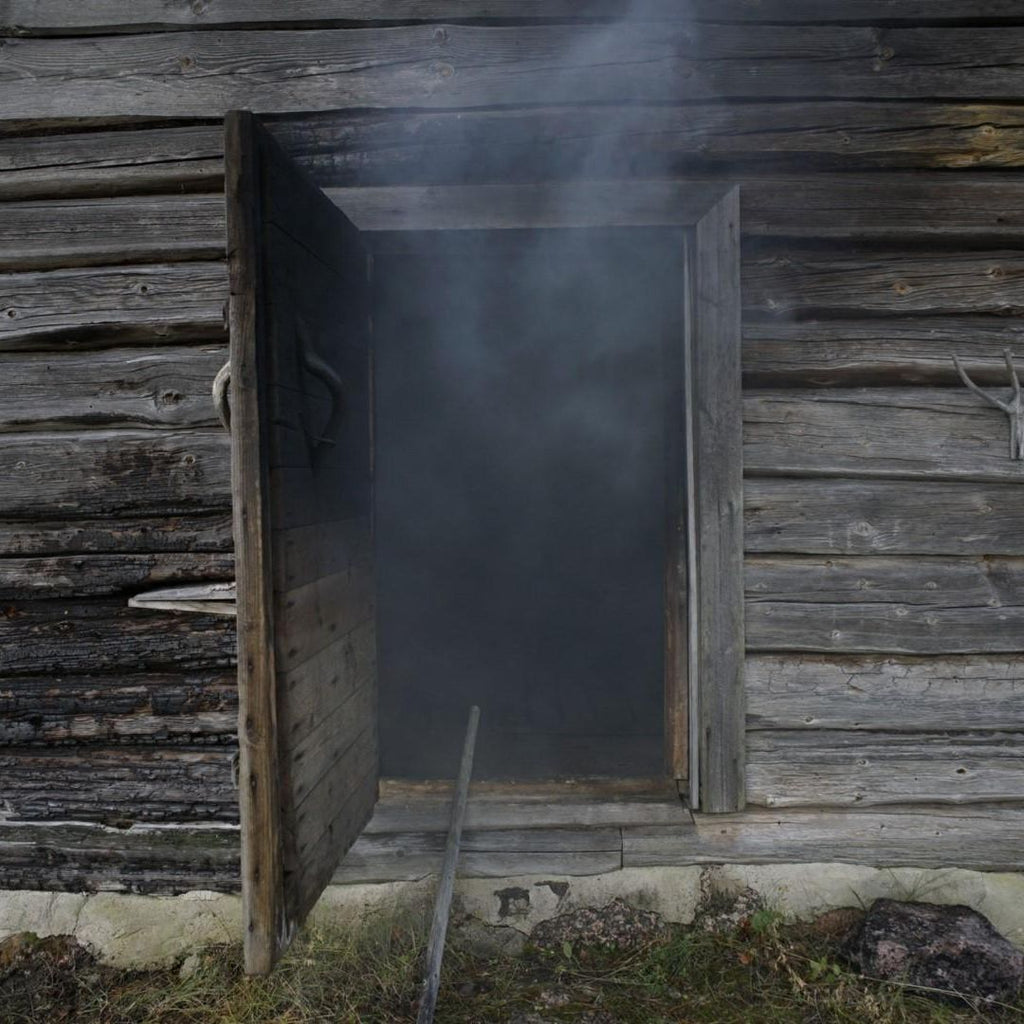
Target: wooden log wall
x: 875, y: 143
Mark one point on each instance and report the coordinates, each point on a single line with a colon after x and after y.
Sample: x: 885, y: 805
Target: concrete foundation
x: 143, y: 931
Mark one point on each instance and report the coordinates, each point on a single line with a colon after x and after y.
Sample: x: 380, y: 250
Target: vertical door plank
x: 718, y: 497
x: 302, y: 495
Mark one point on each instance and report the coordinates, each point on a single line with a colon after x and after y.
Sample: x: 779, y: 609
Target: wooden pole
x: 442, y: 905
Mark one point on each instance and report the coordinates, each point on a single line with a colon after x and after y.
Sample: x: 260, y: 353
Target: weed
x: 763, y: 971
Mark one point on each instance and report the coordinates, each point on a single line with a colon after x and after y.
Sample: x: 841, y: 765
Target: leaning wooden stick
x: 442, y: 905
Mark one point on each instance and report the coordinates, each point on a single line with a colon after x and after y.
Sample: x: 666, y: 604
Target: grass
x: 763, y: 971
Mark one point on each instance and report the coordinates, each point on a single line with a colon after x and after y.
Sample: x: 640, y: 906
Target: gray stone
x: 615, y: 925
x: 951, y: 948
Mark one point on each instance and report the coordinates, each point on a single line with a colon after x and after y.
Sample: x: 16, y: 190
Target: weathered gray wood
x: 446, y: 884
x: 852, y: 282
x: 934, y: 433
x: 986, y: 838
x: 793, y: 691
x: 65, y: 474
x: 368, y: 147
x: 851, y: 768
x: 882, y: 517
x: 203, y: 74
x: 717, y: 591
x: 298, y: 276
x: 925, y: 581
x: 846, y: 206
x: 118, y: 784
x: 883, y: 628
x: 50, y: 308
x: 168, y: 386
x: 878, y: 351
x: 518, y: 811
x: 205, y: 598
x: 266, y: 929
x: 105, y: 636
x: 492, y: 854
x: 504, y: 206
x: 59, y: 16
x: 138, y: 229
x: 80, y: 575
x: 193, y: 534
x: 157, y: 708
x: 902, y: 208
x: 374, y: 148
x: 920, y: 605
x: 104, y: 163
x: 144, y: 858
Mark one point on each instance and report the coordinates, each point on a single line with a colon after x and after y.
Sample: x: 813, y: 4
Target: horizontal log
x: 983, y: 838
x: 118, y: 785
x: 741, y: 139
x: 878, y: 351
x: 921, y: 605
x: 193, y: 534
x: 797, y: 691
x: 140, y: 303
x: 106, y: 637
x: 105, y: 575
x: 845, y: 206
x: 136, y: 229
x: 497, y: 854
x: 925, y: 581
x: 52, y: 17
x: 111, y: 163
x: 164, y: 228
x: 115, y: 471
x: 204, y: 74
x: 887, y: 629
x: 145, y: 859
x: 394, y: 147
x: 158, y: 708
x: 919, y: 433
x: 881, y: 517
x: 833, y: 768
x: 166, y: 386
x: 514, y: 810
x: 800, y: 283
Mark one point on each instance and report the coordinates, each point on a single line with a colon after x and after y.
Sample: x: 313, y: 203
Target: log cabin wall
x: 876, y: 144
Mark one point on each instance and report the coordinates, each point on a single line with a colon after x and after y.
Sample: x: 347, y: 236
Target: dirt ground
x: 620, y: 971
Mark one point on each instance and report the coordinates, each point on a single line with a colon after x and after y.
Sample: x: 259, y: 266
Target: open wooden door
x: 302, y: 466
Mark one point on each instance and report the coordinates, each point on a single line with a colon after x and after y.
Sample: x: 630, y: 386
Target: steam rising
x: 522, y: 386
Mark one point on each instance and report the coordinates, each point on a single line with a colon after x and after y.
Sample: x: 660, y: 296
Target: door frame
x: 705, y: 700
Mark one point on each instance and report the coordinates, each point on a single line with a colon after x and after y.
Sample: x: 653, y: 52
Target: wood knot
x: 10, y: 313
x: 996, y: 273
x: 186, y: 63
x: 901, y: 287
x: 444, y: 70
x: 440, y: 35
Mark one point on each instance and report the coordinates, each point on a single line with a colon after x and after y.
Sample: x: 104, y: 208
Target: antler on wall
x: 1013, y: 406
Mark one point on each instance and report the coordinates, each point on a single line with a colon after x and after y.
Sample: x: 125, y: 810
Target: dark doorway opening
x: 528, y: 435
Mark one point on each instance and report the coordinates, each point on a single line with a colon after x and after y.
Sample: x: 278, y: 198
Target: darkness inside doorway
x: 521, y: 442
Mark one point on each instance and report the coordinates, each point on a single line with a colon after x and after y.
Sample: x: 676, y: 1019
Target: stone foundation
x: 142, y: 931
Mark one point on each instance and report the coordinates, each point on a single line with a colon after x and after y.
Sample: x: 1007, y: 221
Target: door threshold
x: 422, y: 805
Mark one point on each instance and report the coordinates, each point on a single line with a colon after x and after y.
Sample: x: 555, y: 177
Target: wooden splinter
x: 1013, y: 406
